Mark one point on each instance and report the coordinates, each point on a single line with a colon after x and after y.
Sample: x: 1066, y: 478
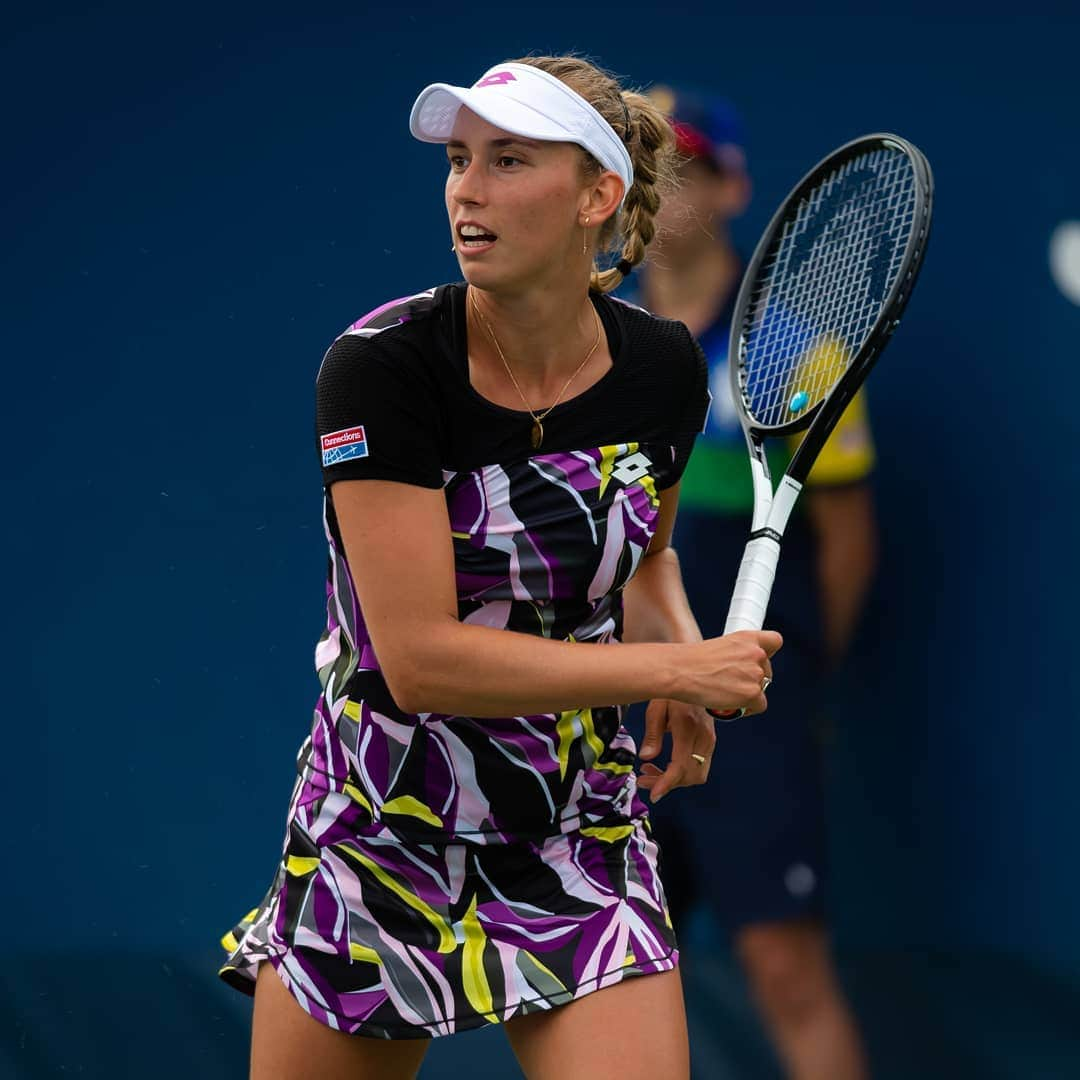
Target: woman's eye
x: 508, y: 160
x: 457, y: 162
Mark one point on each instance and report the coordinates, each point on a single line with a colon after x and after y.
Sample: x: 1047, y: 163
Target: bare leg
x: 792, y: 980
x: 635, y: 1030
x: 288, y: 1044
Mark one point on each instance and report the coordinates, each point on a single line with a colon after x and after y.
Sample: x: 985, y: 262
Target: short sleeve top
x: 394, y: 400
x: 544, y: 542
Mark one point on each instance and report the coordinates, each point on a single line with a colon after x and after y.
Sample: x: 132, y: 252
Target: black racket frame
x: 820, y: 420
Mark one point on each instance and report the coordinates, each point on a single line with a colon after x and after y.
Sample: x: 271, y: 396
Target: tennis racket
x: 819, y: 301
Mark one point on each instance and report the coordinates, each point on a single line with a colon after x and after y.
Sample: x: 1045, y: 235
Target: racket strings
x: 818, y: 292
x: 801, y: 346
x: 820, y: 364
x: 831, y: 260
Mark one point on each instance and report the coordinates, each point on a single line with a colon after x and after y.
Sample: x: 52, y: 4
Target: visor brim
x: 435, y: 112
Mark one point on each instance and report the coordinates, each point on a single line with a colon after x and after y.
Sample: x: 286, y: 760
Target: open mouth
x: 472, y: 236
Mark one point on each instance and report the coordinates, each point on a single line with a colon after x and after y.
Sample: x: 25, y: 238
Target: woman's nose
x: 469, y: 185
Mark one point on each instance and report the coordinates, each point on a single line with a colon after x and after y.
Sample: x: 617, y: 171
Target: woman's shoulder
x: 655, y: 338
x: 396, y: 329
x: 403, y: 311
x: 638, y: 320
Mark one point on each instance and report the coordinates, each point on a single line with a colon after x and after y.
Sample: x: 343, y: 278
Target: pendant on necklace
x: 537, y: 434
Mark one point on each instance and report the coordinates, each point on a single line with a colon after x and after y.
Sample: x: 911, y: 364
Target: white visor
x: 525, y: 101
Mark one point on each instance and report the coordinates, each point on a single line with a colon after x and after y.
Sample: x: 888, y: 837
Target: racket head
x: 827, y: 284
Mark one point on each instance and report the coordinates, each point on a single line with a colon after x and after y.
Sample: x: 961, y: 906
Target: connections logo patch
x: 344, y: 445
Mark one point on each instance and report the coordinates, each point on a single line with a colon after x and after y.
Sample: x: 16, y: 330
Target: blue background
x: 197, y: 202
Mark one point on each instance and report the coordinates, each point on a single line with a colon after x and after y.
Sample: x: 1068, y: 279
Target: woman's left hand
x: 693, y: 738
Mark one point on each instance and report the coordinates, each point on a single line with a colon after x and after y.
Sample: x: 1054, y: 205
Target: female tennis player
x: 749, y: 847
x: 466, y: 844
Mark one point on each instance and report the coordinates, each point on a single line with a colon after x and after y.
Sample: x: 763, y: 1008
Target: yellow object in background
x: 848, y: 456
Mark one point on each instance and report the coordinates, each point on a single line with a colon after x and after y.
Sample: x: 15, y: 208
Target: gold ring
x: 699, y: 758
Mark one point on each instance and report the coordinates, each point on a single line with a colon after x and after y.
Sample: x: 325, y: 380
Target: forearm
x: 655, y: 605
x: 844, y: 582
x: 456, y: 668
x: 398, y: 542
x: 847, y: 559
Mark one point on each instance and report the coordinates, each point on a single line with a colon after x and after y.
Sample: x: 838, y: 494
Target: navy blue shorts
x: 750, y: 844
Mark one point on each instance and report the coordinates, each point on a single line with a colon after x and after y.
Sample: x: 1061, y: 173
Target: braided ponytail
x: 648, y: 138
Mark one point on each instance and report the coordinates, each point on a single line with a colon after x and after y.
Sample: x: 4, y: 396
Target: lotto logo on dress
x: 344, y: 445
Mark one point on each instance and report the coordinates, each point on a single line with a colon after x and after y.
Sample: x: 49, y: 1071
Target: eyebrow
x: 517, y: 140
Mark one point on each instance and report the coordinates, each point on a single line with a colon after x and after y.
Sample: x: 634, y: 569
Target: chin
x: 490, y: 278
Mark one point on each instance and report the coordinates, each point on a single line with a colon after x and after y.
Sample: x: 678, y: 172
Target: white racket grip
x: 754, y: 585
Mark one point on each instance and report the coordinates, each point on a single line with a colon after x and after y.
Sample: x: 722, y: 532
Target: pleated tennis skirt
x: 379, y: 935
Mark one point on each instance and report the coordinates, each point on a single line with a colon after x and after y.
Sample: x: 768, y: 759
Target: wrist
x: 686, y: 633
x: 676, y: 675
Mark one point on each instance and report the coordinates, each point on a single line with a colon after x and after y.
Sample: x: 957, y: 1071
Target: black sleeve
x: 376, y: 417
x: 689, y: 422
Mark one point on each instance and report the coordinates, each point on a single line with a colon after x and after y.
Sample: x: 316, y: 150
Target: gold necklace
x: 537, y: 436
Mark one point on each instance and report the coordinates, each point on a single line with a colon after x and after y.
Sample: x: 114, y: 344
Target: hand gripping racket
x: 819, y: 301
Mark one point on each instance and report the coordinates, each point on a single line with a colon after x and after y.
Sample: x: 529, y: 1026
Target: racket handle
x: 754, y: 585
x: 750, y: 599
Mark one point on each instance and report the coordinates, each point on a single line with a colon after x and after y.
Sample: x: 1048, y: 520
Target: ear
x: 731, y: 195
x: 602, y: 197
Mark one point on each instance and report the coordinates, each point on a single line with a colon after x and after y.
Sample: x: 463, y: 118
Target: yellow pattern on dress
x: 610, y: 834
x: 406, y: 804
x: 447, y: 943
x: 299, y: 865
x: 477, y: 988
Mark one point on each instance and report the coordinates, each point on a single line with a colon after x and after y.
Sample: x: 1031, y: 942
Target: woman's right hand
x: 728, y: 673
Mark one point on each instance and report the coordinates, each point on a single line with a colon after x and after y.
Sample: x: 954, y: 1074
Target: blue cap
x: 706, y: 126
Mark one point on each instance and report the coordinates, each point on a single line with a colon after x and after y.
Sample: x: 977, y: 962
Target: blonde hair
x: 650, y: 141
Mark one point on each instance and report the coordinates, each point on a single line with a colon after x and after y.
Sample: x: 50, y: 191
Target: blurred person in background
x: 750, y: 845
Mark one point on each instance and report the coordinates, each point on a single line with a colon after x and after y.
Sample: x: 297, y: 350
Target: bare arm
x: 397, y: 539
x: 843, y: 519
x: 655, y: 607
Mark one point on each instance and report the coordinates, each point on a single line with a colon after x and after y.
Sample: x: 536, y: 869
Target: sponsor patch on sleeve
x: 344, y: 445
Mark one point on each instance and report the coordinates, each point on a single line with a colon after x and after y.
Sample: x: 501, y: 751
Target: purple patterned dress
x: 444, y: 872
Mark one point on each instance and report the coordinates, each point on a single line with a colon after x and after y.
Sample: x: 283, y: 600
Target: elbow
x: 419, y: 677
x: 407, y: 688
x: 421, y: 667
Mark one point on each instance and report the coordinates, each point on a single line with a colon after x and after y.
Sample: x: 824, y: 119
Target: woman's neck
x: 542, y: 337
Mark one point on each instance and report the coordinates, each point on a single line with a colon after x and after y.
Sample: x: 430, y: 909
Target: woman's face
x: 705, y: 200
x: 515, y: 207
